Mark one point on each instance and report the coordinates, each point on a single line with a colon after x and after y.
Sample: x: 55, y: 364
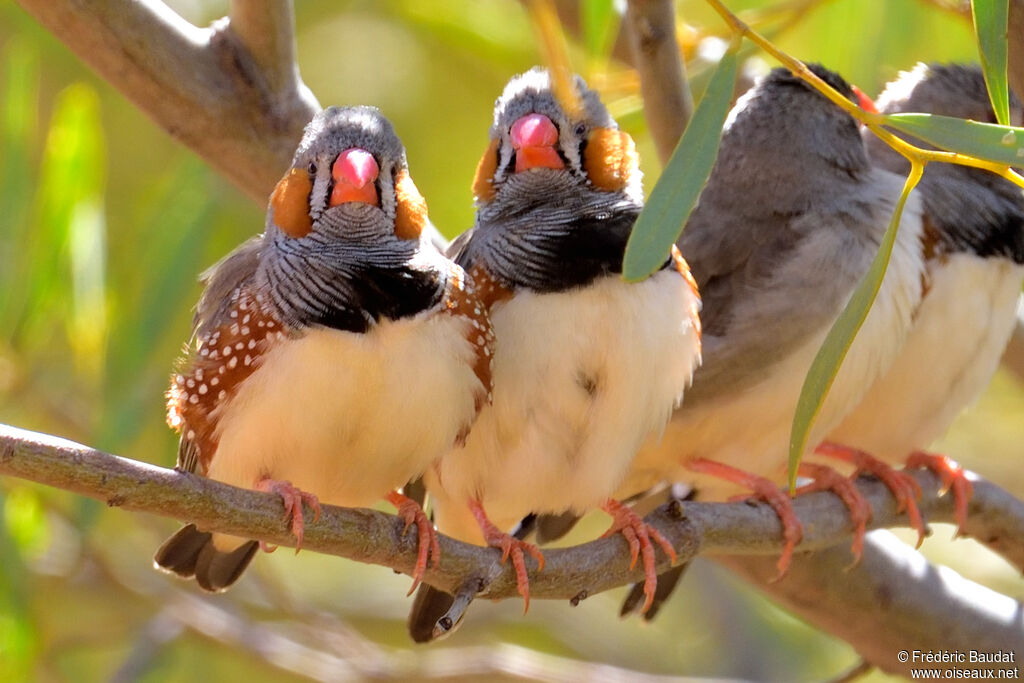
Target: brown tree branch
x: 912, y: 605
x: 668, y: 104
x: 230, y: 92
x: 376, y: 538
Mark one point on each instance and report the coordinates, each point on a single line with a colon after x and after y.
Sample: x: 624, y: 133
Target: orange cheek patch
x: 610, y: 159
x: 290, y: 202
x: 411, y: 211
x: 483, y: 181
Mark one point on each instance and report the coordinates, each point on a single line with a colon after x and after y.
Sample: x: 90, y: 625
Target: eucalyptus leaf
x: 829, y: 358
x: 675, y: 194
x: 991, y: 18
x: 1001, y: 144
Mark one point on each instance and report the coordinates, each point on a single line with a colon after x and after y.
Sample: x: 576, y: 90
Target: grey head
x: 783, y: 144
x: 790, y: 214
x: 972, y: 209
x: 557, y: 190
x: 344, y: 243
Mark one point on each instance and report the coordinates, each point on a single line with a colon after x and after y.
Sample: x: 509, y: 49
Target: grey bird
x: 972, y: 249
x: 334, y: 357
x: 790, y: 220
x: 586, y: 365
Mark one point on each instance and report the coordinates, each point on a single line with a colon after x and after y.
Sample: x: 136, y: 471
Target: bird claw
x: 510, y: 546
x: 904, y: 487
x: 954, y: 480
x: 427, y: 543
x: 827, y: 479
x: 638, y: 534
x: 292, y: 498
x: 765, y: 490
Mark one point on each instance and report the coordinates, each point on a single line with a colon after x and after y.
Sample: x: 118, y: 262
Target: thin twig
x: 668, y: 104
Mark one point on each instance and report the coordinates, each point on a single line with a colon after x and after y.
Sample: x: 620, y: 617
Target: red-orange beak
x: 534, y: 137
x: 863, y: 101
x: 355, y: 173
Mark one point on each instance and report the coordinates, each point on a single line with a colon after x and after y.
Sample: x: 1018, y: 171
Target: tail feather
x: 190, y: 553
x: 666, y: 586
x: 428, y: 608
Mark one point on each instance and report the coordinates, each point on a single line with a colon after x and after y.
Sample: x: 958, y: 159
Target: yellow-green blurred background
x: 105, y: 223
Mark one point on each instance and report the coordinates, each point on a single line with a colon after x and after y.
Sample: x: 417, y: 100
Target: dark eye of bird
x: 580, y: 129
x: 311, y: 168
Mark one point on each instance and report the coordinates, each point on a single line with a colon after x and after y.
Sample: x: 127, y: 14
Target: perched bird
x: 970, y: 261
x: 586, y: 365
x: 973, y: 242
x: 788, y: 223
x: 334, y: 357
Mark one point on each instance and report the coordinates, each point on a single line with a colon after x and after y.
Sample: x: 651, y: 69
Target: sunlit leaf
x: 178, y: 224
x: 837, y: 342
x: 673, y: 197
x: 991, y: 19
x: 16, y: 648
x: 26, y: 521
x: 69, y: 193
x: 1003, y: 144
x: 19, y: 94
x: 599, y: 20
x: 18, y: 635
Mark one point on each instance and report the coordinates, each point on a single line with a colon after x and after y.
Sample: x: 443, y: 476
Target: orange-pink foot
x: 427, y: 545
x: 904, y: 487
x: 510, y: 547
x: 827, y: 479
x: 639, y: 535
x: 953, y: 478
x: 293, y: 499
x: 762, y: 489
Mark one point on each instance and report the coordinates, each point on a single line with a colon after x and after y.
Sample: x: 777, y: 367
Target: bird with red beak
x: 334, y: 357
x: 586, y: 365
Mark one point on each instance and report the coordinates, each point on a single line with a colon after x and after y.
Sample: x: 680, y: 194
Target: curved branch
x: 668, y: 104
x: 376, y: 537
x: 267, y: 30
x: 232, y: 94
x: 906, y: 596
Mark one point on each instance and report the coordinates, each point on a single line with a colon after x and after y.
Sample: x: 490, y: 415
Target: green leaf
x: 991, y: 18
x: 1001, y: 144
x: 65, y: 250
x: 837, y: 342
x: 18, y: 130
x: 599, y: 20
x: 673, y: 197
x: 26, y: 521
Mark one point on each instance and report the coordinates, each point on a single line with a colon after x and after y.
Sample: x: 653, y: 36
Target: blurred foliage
x: 106, y: 222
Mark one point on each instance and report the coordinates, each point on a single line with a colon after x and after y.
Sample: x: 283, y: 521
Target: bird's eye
x: 311, y: 168
x: 580, y: 129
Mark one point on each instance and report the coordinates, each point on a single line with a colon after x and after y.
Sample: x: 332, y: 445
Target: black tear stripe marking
x: 376, y: 293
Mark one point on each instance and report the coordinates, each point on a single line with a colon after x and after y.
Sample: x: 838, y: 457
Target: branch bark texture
x: 571, y: 573
x: 668, y: 104
x: 913, y: 605
x: 230, y: 92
